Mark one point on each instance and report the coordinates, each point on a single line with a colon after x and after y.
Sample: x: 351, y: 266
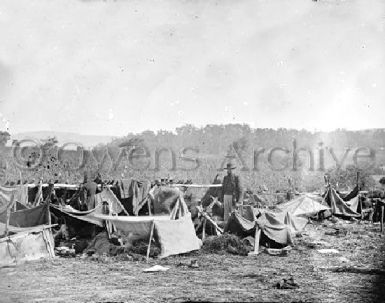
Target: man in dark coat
x: 90, y: 189
x: 232, y: 191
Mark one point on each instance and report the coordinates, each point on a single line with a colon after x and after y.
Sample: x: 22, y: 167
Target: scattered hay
x: 140, y: 248
x: 226, y: 243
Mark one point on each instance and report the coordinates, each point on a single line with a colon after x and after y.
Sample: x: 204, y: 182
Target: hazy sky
x: 113, y: 67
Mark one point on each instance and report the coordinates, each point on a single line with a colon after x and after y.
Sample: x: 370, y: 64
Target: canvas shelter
x: 277, y: 227
x: 15, y: 199
x: 115, y: 207
x: 340, y: 207
x: 19, y: 193
x: 23, y: 235
x: 303, y: 205
x: 132, y: 193
x: 175, y: 231
x: 28, y: 217
x: 275, y: 231
x: 26, y: 244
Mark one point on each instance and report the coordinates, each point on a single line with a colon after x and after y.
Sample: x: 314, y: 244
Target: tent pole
x: 149, y: 242
x: 149, y: 206
x: 257, y: 238
x: 204, y: 229
x: 49, y: 213
x: 9, y: 214
x: 382, y: 218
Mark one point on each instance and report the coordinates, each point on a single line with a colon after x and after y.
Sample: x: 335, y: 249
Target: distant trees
x: 211, y: 144
x: 346, y: 178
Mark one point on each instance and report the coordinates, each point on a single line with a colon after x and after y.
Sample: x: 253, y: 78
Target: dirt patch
x: 218, y: 278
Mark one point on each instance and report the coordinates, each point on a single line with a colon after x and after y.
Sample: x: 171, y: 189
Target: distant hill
x: 64, y: 137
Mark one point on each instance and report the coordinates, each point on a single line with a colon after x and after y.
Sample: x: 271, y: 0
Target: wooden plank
x: 212, y: 222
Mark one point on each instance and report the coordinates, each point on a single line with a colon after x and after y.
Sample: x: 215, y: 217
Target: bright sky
x: 113, y: 67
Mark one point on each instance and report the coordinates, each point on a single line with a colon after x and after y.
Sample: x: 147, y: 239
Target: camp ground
x: 142, y: 233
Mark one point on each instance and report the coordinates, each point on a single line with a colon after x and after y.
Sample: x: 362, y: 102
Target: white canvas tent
x: 26, y: 244
x: 175, y: 232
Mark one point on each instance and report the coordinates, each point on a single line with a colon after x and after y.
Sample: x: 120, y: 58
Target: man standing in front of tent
x: 90, y: 189
x: 232, y: 192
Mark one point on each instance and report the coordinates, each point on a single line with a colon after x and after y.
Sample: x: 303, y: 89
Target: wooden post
x: 149, y: 241
x: 48, y: 212
x: 257, y: 237
x: 382, y: 218
x: 256, y: 240
x: 6, y: 231
x: 204, y: 229
x: 149, y: 206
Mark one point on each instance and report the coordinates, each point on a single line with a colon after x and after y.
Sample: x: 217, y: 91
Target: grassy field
x: 219, y: 277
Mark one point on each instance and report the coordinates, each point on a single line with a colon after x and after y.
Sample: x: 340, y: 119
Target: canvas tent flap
x: 351, y: 195
x: 134, y: 227
x: 353, y: 204
x: 26, y: 246
x: 27, y: 217
x: 296, y: 223
x: 239, y: 226
x: 177, y: 236
x: 91, y: 216
x: 11, y: 229
x: 109, y: 196
x: 140, y: 190
x: 87, y: 216
x: 6, y: 194
x: 302, y: 206
x: 274, y: 227
x: 22, y: 194
x: 338, y: 206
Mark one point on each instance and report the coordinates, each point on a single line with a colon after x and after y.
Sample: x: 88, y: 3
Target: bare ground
x: 219, y: 278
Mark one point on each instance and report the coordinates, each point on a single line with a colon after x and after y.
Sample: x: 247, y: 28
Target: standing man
x: 90, y: 189
x: 232, y: 192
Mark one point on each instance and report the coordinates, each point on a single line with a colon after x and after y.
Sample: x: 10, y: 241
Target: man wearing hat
x: 232, y: 192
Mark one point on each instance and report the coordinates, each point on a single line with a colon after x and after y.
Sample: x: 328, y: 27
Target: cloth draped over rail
x: 113, y: 207
x: 26, y: 245
x: 174, y: 232
x: 279, y: 226
x: 30, y: 217
x: 339, y: 207
x: 133, y: 193
x: 19, y: 192
x: 272, y: 225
